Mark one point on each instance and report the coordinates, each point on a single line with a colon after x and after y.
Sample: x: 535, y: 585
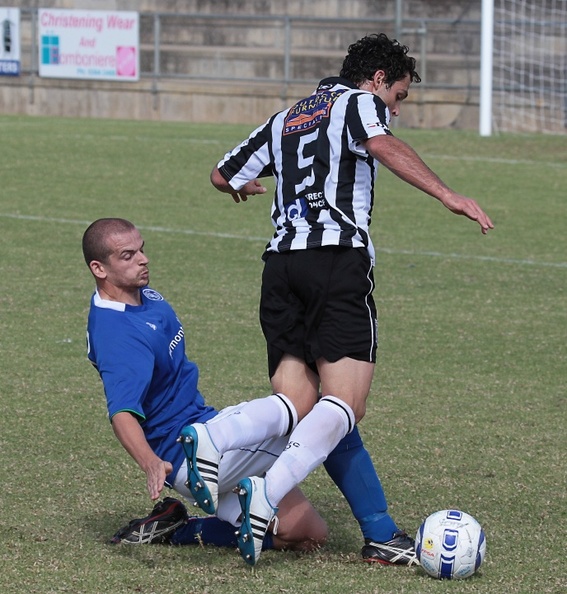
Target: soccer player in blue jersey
x: 137, y: 344
x: 317, y: 311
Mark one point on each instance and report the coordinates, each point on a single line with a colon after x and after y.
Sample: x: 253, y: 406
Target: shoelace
x: 276, y: 525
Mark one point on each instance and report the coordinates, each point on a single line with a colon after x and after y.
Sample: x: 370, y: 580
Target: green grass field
x: 468, y: 407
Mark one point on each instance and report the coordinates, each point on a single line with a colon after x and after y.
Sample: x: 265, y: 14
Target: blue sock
x: 208, y: 530
x: 211, y: 530
x: 351, y: 468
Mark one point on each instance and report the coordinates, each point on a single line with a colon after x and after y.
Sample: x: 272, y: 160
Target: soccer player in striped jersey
x: 317, y: 311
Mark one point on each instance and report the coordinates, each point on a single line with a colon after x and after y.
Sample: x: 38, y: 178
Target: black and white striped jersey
x: 324, y: 176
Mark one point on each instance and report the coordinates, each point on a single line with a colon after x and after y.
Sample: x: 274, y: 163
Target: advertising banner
x: 89, y: 44
x: 10, y: 42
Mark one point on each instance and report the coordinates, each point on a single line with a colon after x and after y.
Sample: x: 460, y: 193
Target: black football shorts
x: 318, y: 303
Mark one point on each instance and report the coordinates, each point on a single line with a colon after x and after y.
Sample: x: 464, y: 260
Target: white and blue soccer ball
x: 450, y: 544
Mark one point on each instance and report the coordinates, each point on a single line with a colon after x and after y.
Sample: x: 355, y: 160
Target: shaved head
x: 95, y: 238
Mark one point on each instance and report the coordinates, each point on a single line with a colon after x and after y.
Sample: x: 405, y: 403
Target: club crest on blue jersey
x: 151, y: 294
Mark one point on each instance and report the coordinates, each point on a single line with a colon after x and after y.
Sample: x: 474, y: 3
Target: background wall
x: 235, y: 69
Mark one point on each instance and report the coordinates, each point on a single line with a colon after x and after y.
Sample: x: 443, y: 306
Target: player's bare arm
x: 251, y: 188
x: 129, y: 433
x: 404, y: 162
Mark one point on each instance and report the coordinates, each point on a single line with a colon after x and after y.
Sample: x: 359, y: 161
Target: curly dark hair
x: 378, y: 52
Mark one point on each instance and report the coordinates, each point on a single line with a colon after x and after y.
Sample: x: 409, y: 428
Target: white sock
x: 253, y: 422
x: 314, y: 438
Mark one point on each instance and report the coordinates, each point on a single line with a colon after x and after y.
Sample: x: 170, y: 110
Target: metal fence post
x: 156, y: 69
x: 287, y: 59
x: 34, y: 57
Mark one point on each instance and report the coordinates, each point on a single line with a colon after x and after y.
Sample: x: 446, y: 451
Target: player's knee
x: 311, y: 537
x: 319, y: 534
x: 303, y: 402
x: 315, y: 534
x: 299, y: 527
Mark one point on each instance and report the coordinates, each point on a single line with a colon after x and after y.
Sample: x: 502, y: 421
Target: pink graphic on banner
x: 126, y: 61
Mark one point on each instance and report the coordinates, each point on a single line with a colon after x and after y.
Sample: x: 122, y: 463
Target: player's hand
x: 468, y: 207
x: 251, y: 188
x: 155, y: 477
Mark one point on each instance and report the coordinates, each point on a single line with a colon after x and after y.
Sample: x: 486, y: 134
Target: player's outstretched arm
x: 403, y: 161
x: 129, y: 433
x: 251, y: 188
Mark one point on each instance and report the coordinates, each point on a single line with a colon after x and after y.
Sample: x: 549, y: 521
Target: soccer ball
x: 450, y: 544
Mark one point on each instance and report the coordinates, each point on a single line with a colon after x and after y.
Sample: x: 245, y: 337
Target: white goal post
x: 524, y: 89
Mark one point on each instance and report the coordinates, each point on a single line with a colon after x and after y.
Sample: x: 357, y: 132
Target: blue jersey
x: 139, y: 352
